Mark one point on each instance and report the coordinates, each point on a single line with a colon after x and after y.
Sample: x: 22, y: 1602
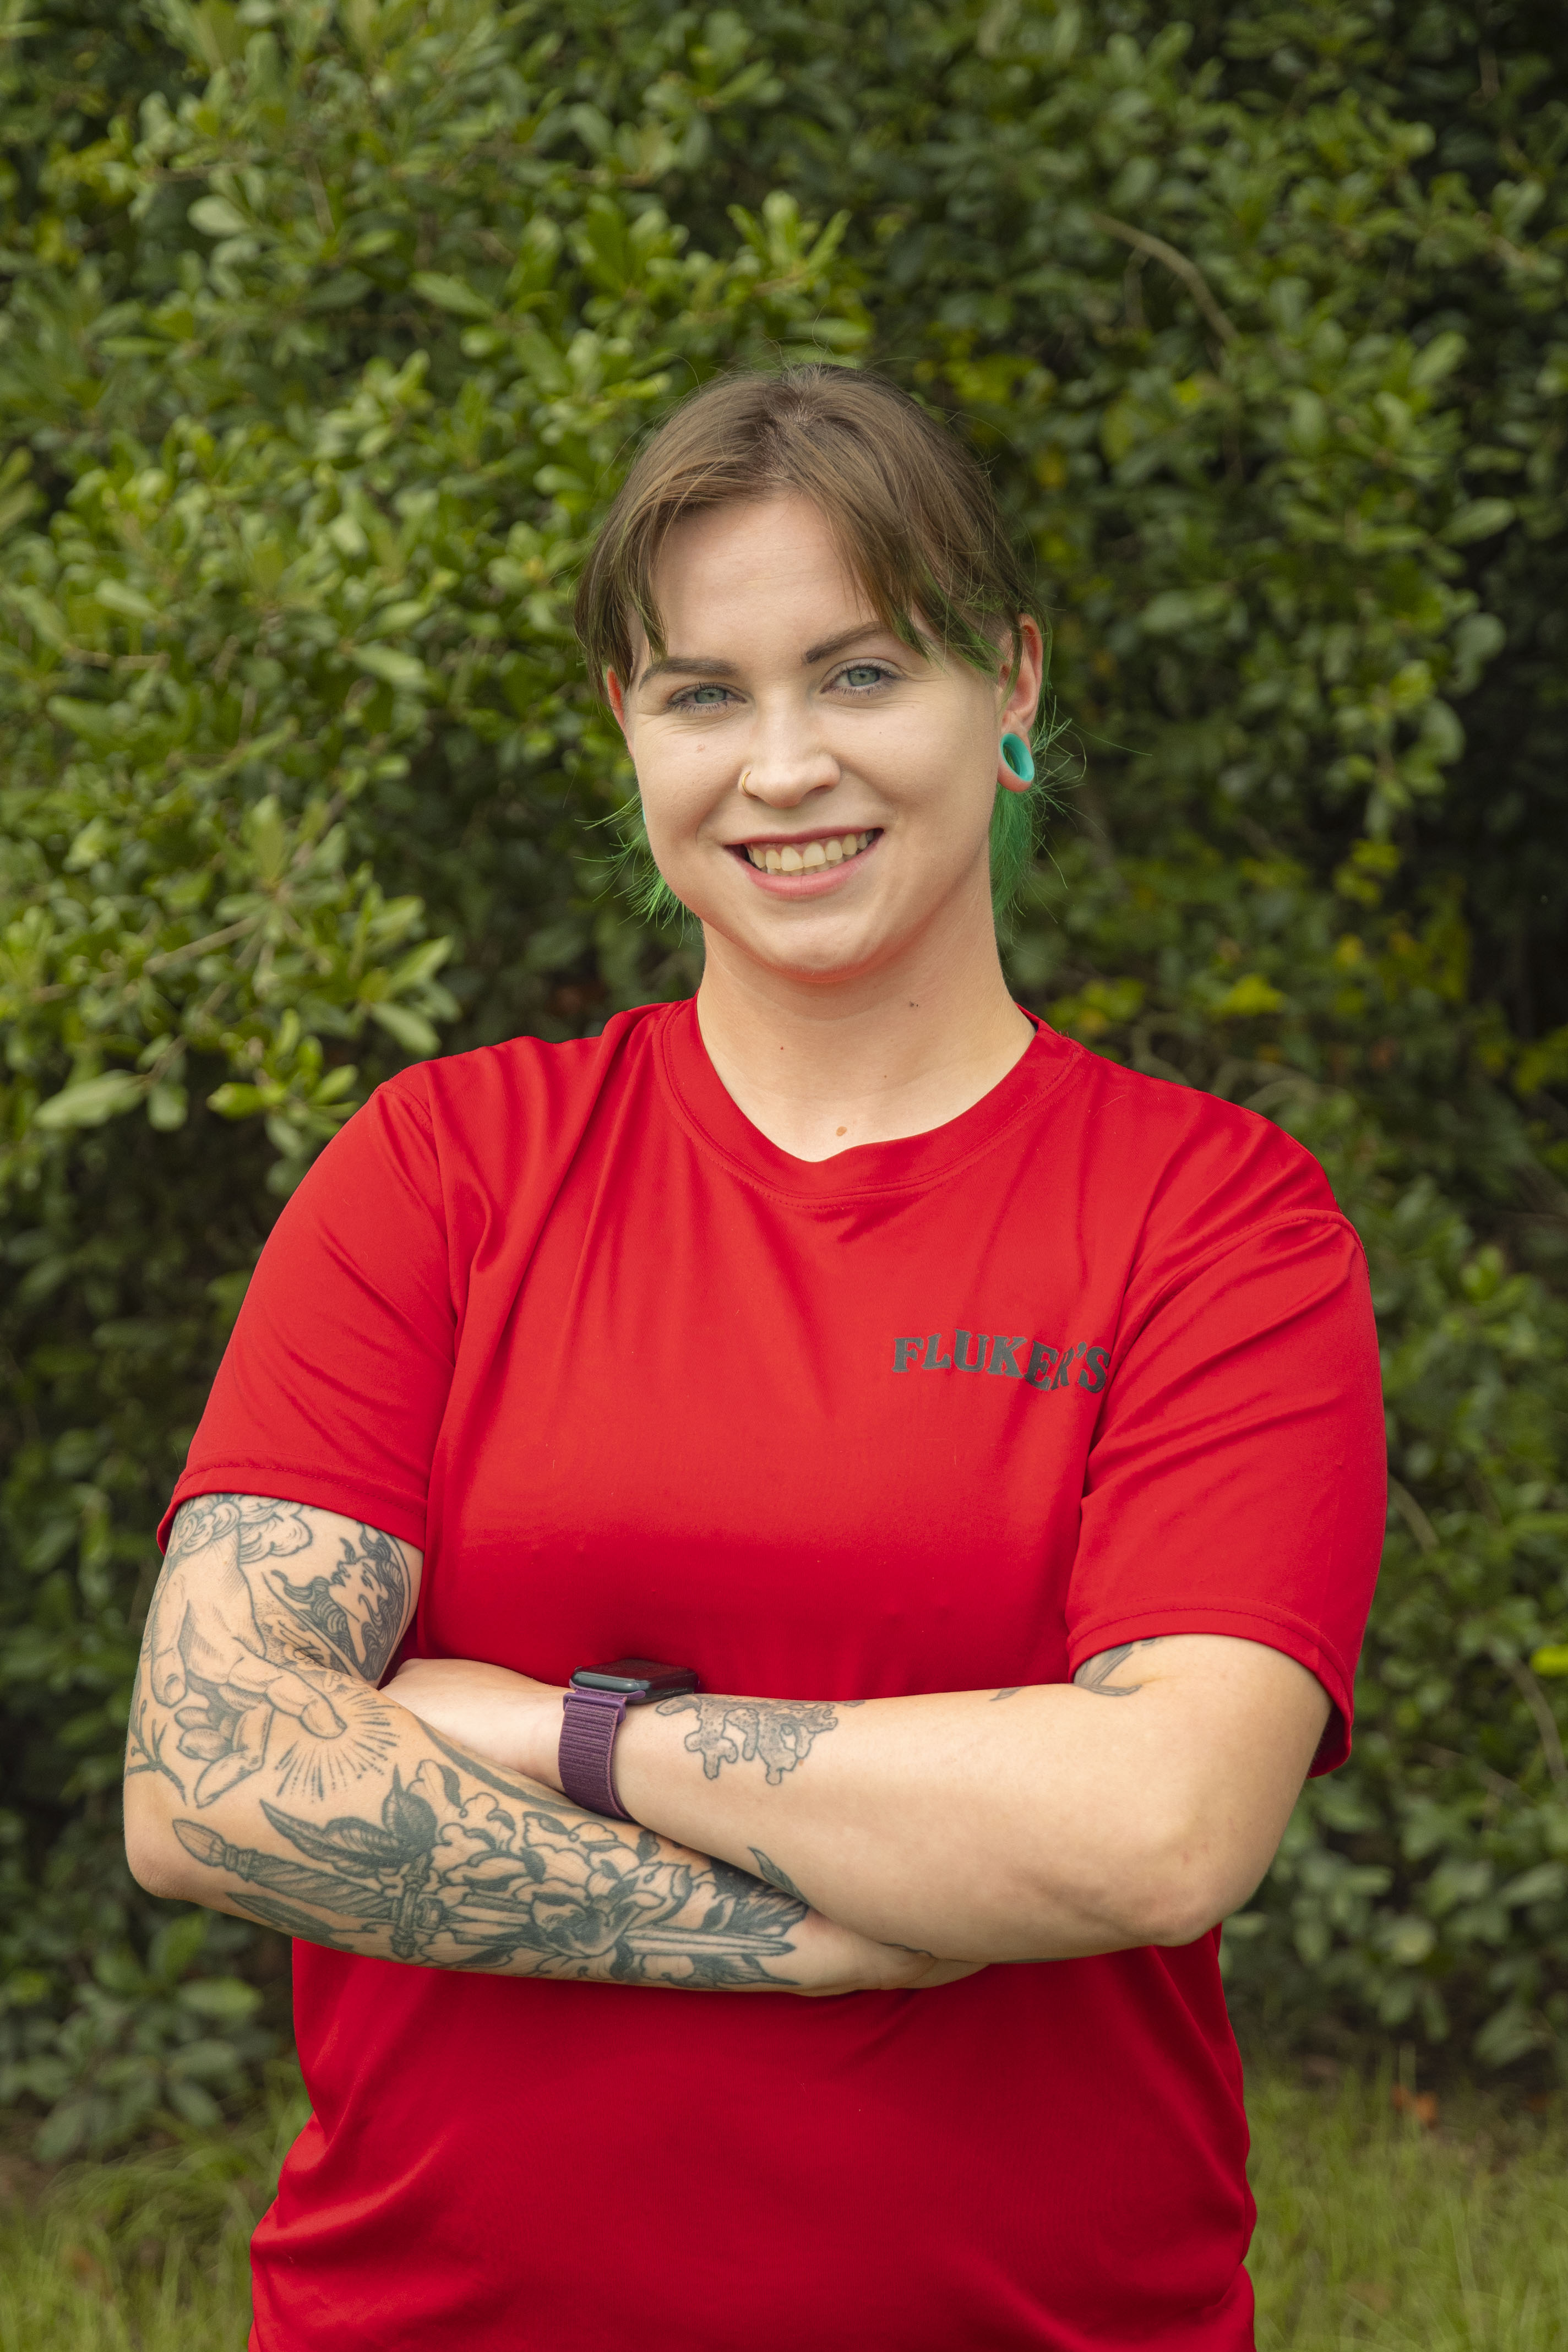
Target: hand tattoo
x: 147, y: 1737
x: 227, y: 1635
x: 1095, y: 1673
x: 780, y: 1731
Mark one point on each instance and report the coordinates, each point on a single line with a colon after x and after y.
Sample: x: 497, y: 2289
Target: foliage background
x: 327, y: 331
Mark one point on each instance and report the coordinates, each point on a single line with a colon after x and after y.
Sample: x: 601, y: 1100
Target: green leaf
x: 116, y: 596
x: 1437, y: 358
x: 215, y: 216
x: 91, y: 1101
x: 167, y: 1107
x: 95, y: 722
x: 451, y: 294
x: 410, y: 1029
x: 401, y: 670
x: 222, y: 2000
x: 1249, y: 996
x: 1479, y: 518
x: 232, y: 1100
x: 1545, y: 1884
x: 1182, y: 608
x: 63, y: 2133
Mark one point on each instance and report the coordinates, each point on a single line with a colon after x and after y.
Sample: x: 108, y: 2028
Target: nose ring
x: 745, y: 773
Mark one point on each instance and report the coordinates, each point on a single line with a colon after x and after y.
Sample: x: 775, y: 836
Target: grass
x: 1383, y: 2230
x: 1378, y: 2230
x: 147, y: 2253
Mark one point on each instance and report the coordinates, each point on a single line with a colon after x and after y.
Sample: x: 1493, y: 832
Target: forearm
x: 1136, y: 1805
x: 385, y: 1838
x: 977, y: 1824
x: 969, y: 1825
x: 266, y: 1775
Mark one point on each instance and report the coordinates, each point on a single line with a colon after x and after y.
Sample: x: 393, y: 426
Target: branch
x: 198, y: 947
x: 1413, y: 1517
x: 1191, y: 276
x: 1539, y: 1706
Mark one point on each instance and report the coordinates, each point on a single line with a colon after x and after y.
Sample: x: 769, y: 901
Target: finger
x: 168, y: 1669
x: 229, y: 1769
x: 207, y: 1745
x: 250, y: 1733
x: 250, y: 1678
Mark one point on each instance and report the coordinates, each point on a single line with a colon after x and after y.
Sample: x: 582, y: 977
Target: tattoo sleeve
x: 325, y: 1811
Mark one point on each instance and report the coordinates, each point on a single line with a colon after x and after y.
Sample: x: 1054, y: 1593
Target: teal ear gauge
x: 1019, y: 758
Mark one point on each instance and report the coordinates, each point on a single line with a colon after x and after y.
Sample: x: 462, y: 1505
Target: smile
x: 802, y: 858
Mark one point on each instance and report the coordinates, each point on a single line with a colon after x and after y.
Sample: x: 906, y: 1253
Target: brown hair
x: 911, y: 512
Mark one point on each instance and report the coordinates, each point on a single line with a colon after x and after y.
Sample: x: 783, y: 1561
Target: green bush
x: 330, y: 331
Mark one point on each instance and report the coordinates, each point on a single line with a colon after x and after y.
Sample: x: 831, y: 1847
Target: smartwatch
x: 596, y: 1699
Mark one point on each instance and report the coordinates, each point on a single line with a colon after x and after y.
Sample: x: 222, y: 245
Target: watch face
x: 640, y: 1678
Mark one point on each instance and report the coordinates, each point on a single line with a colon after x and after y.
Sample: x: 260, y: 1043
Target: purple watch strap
x: 589, y: 1722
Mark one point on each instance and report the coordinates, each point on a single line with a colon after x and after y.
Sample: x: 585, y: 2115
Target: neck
x: 821, y: 1065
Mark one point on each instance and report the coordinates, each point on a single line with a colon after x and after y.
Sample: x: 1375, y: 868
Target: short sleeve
x: 336, y: 1375
x: 1237, y: 1481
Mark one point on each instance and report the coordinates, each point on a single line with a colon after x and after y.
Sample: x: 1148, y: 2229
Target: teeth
x: 790, y: 860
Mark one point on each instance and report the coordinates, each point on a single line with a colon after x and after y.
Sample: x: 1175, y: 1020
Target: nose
x: 786, y: 762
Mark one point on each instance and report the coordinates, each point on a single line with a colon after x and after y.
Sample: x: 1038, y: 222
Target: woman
x: 867, y: 1385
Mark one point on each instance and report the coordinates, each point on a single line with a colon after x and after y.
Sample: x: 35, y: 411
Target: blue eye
x: 692, y: 697
x: 859, y: 675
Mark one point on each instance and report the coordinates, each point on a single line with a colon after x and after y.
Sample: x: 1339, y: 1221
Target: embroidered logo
x: 1008, y: 1356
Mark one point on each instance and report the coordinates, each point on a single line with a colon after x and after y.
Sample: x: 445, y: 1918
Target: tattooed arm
x: 266, y: 1775
x: 1024, y: 1823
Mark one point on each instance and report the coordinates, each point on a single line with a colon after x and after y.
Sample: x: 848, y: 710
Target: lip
x: 822, y: 879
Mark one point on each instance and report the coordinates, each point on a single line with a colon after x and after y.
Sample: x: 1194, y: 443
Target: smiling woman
x: 817, y: 785
x: 815, y: 636
x: 615, y: 1392
x: 912, y: 519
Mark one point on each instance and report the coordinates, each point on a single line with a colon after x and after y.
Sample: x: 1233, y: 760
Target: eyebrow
x: 710, y: 666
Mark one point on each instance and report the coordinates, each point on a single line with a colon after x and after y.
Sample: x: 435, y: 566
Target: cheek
x: 947, y: 784
x: 672, y: 793
x: 673, y: 784
x: 929, y: 751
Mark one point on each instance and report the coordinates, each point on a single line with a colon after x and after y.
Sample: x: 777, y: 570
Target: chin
x: 840, y: 960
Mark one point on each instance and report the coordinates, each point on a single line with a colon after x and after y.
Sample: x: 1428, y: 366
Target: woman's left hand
x: 506, y: 1719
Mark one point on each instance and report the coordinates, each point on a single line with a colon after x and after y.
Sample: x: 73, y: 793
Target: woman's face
x: 818, y: 794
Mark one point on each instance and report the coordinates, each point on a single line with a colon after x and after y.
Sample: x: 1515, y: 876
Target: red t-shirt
x: 1094, y: 1360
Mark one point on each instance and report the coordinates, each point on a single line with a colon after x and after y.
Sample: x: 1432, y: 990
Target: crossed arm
x: 812, y: 1846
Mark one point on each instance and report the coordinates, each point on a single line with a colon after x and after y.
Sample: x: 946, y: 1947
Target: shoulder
x: 1184, y: 1165
x: 471, y: 1100
x: 482, y: 1126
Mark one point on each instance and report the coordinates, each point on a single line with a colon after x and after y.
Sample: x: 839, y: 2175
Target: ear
x: 1019, y: 713
x: 614, y: 695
